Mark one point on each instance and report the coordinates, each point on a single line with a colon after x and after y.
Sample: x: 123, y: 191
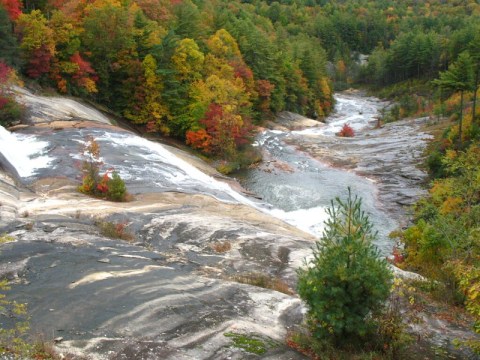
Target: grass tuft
x: 263, y: 281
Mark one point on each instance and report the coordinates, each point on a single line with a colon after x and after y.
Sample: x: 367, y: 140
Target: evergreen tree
x: 474, y: 49
x: 8, y: 42
x: 458, y: 77
x: 109, y: 38
x: 346, y: 280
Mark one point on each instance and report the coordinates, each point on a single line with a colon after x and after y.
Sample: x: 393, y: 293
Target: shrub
x: 6, y: 238
x: 10, y: 111
x: 263, y: 281
x: 221, y: 247
x: 12, y: 340
x: 469, y: 281
x: 393, y: 321
x: 115, y: 230
x: 116, y: 189
x: 346, y: 131
x: 102, y: 186
x: 346, y: 280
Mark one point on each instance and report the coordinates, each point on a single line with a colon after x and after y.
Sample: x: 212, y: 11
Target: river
x: 302, y: 172
x: 305, y: 169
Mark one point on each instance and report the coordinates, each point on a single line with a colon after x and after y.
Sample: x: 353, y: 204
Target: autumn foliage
x: 199, y: 82
x: 346, y: 131
x: 13, y: 8
x: 167, y: 66
x: 200, y: 140
x: 5, y: 71
x: 107, y: 186
x: 10, y: 110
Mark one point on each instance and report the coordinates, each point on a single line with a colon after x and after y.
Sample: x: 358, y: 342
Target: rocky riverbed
x: 203, y: 271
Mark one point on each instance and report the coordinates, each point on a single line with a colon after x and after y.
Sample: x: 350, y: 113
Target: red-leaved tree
x: 223, y: 133
x: 85, y: 76
x: 13, y: 8
x: 39, y: 63
x: 4, y: 72
x: 4, y: 75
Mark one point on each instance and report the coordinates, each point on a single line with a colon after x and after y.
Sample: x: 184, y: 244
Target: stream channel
x: 303, y: 170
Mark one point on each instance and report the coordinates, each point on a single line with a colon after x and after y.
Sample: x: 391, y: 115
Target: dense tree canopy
x: 169, y: 65
x: 165, y: 64
x: 206, y: 71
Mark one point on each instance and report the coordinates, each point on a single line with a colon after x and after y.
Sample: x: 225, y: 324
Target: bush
x: 10, y: 111
x: 243, y: 158
x: 116, y: 189
x: 346, y: 280
x: 115, y: 230
x: 102, y: 186
x: 346, y: 131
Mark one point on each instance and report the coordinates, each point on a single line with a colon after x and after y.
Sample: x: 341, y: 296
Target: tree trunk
x: 475, y: 89
x: 461, y: 121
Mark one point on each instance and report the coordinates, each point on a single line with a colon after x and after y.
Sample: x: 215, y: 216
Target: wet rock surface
x: 293, y: 121
x: 304, y: 169
x: 174, y: 290
x: 390, y: 156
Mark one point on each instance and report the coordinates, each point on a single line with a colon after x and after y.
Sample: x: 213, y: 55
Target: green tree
x: 8, y: 42
x: 346, y: 280
x: 37, y: 44
x: 474, y: 49
x: 458, y: 77
x: 109, y: 38
x: 187, y: 60
x: 147, y: 105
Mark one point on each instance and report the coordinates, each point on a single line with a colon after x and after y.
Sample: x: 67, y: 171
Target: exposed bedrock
x: 168, y: 293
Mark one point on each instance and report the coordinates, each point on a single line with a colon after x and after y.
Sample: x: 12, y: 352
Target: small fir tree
x: 459, y: 78
x: 346, y: 281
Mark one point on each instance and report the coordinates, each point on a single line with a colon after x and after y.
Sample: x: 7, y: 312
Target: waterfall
x: 22, y: 154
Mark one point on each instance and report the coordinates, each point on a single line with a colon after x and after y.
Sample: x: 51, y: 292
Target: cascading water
x: 144, y: 165
x: 24, y: 153
x: 349, y: 109
x: 294, y: 185
x: 306, y: 169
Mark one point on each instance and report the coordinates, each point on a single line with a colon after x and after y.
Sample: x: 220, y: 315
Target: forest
x: 208, y: 72
x: 205, y: 72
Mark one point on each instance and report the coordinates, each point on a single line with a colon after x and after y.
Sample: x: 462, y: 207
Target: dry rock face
x: 172, y: 292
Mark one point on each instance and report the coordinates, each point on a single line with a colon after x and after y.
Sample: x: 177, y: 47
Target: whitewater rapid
x: 305, y: 169
x: 299, y: 196
x: 24, y: 152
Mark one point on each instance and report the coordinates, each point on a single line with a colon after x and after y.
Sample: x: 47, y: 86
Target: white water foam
x: 23, y: 152
x: 354, y: 111
x: 308, y: 220
x: 188, y: 174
